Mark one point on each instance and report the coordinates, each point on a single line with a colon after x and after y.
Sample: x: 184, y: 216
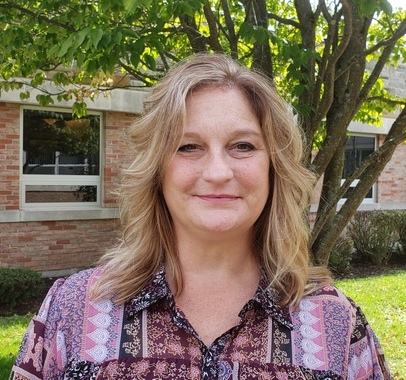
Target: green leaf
x: 105, y: 40
x: 386, y: 7
x: 298, y: 90
x: 96, y: 35
x: 38, y: 79
x: 25, y: 95
x: 44, y: 100
x: 187, y: 9
x: 80, y: 37
x: 261, y: 35
x: 367, y: 7
x: 67, y: 44
x: 92, y: 65
x: 150, y: 61
x: 246, y: 31
x: 132, y: 5
x: 116, y: 37
x: 53, y: 51
x: 79, y: 109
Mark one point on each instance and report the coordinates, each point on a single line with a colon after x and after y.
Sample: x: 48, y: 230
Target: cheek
x: 256, y: 176
x: 177, y: 177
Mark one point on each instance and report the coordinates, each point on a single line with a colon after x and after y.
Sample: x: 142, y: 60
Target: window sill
x: 36, y: 215
x: 369, y: 205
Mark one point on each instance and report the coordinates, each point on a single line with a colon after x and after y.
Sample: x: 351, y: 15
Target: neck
x: 225, y: 258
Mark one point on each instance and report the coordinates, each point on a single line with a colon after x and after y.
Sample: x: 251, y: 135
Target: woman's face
x: 217, y: 184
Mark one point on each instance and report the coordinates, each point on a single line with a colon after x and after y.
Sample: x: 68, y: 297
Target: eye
x: 244, y: 147
x: 187, y: 148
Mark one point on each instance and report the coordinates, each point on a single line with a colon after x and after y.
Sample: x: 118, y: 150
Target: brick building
x: 57, y: 209
x: 58, y: 223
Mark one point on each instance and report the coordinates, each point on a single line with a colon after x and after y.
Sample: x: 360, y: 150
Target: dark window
x: 57, y: 143
x: 60, y: 158
x: 357, y: 148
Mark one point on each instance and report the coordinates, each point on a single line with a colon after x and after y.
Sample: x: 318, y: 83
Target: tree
x: 325, y: 57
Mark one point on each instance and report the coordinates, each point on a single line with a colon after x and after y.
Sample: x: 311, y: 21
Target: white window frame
x: 355, y: 182
x: 59, y: 180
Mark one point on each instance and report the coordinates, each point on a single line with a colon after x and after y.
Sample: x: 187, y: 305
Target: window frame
x: 354, y: 183
x: 59, y: 180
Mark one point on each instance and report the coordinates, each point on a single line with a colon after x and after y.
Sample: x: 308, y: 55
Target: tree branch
x: 382, y: 60
x: 330, y: 71
x: 399, y: 32
x: 369, y: 165
x: 231, y: 35
x: 212, y: 24
x: 282, y: 20
x: 196, y: 39
x: 36, y: 16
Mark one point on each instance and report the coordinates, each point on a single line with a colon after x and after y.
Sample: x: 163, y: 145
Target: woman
x: 211, y: 280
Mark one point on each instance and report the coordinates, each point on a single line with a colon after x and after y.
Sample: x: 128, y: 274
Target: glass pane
x: 60, y: 193
x: 57, y: 143
x: 357, y: 148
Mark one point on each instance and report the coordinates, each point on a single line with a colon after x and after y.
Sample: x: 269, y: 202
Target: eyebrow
x: 235, y: 133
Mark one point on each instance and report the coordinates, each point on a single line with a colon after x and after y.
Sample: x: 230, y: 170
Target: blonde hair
x: 281, y: 232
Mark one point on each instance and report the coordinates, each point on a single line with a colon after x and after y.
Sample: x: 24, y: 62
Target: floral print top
x: 74, y: 337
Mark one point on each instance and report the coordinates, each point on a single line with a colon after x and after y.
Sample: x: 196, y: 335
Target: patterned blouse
x: 73, y: 337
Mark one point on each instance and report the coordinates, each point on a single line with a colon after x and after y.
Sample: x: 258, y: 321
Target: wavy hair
x: 281, y: 232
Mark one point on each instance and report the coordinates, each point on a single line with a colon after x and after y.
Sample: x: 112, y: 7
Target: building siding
x: 49, y: 245
x: 392, y: 181
x: 9, y: 156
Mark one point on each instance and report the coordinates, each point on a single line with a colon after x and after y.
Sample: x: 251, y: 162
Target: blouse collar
x: 157, y: 289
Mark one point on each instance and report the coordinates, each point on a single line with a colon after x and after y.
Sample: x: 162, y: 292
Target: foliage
x: 340, y: 257
x: 400, y: 224
x: 385, y: 308
x: 326, y: 59
x: 374, y: 235
x: 18, y: 286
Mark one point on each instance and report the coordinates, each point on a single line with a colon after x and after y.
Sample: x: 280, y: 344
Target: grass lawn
x: 382, y: 298
x: 11, y: 332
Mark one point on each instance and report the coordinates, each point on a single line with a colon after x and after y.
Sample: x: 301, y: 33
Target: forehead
x: 222, y: 101
x: 220, y: 110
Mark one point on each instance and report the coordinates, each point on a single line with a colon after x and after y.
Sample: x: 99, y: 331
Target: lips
x: 218, y: 197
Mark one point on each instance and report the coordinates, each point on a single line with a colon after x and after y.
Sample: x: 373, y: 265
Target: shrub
x: 401, y: 228
x: 374, y: 234
x: 340, y: 257
x: 18, y: 286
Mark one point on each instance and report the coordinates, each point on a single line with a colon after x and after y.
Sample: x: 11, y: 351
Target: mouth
x: 218, y: 197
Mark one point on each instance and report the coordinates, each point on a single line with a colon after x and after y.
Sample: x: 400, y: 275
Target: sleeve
x: 366, y: 358
x: 39, y: 355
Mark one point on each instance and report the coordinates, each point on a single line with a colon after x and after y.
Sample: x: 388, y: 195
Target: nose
x: 217, y: 167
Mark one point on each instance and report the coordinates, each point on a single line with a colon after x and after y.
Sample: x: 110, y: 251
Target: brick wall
x: 392, y: 181
x: 65, y: 244
x: 55, y: 245
x: 9, y: 156
x: 117, y: 151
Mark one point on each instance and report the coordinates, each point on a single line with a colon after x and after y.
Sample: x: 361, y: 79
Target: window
x: 357, y: 148
x: 60, y: 159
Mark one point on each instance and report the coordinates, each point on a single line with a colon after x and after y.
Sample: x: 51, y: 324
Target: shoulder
x: 330, y: 328
x: 81, y: 281
x: 331, y: 307
x: 329, y: 292
x: 71, y: 293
